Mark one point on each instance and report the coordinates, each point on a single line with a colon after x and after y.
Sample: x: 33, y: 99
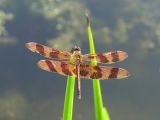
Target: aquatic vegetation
x: 101, y: 112
x: 128, y: 19
x: 13, y: 106
x: 5, y: 39
x: 68, y: 17
x: 136, y: 22
x: 57, y: 41
x: 3, y: 18
x: 4, y: 3
x: 69, y: 98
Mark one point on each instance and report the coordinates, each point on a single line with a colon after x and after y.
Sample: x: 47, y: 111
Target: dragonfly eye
x: 76, y: 48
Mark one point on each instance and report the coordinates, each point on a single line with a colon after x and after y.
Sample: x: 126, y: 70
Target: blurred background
x: 29, y: 93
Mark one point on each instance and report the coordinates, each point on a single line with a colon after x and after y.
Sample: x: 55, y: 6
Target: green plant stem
x: 100, y: 111
x: 69, y: 98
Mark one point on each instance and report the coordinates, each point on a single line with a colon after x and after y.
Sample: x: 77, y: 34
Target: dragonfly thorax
x: 76, y: 58
x: 76, y: 55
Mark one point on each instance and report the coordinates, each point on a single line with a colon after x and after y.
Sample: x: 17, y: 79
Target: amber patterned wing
x: 102, y: 72
x: 86, y: 70
x: 109, y: 57
x: 47, y: 51
x: 61, y: 67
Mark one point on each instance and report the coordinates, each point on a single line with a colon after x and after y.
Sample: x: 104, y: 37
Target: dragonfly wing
x: 61, y: 67
x: 102, y: 72
x: 109, y: 57
x: 47, y: 51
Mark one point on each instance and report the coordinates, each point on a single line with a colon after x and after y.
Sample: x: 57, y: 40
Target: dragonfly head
x: 76, y: 49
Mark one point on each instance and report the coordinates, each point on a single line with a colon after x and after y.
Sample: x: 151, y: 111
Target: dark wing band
x: 61, y: 67
x: 109, y: 57
x: 102, y: 72
x: 47, y: 51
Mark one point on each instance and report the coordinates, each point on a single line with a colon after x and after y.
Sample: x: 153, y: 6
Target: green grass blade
x: 101, y: 112
x: 69, y: 98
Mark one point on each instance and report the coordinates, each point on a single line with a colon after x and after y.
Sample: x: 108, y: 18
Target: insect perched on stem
x: 77, y: 64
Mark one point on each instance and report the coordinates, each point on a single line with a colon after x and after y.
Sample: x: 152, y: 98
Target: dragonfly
x: 76, y: 64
